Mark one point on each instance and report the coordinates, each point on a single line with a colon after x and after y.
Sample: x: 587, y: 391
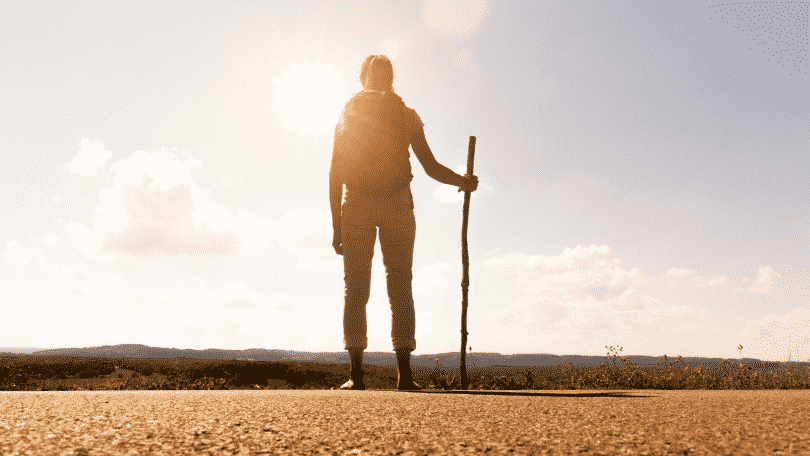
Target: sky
x: 643, y: 178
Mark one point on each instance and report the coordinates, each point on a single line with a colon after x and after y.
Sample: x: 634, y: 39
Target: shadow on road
x: 528, y: 393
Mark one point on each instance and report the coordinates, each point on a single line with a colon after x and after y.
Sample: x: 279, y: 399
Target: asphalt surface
x: 408, y: 423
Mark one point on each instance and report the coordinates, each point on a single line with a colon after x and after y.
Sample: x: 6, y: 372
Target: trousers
x: 361, y: 215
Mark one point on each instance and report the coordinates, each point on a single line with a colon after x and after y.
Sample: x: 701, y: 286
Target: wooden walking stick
x: 465, y: 262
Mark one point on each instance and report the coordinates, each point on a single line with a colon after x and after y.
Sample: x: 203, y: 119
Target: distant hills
x: 450, y: 359
x: 20, y: 350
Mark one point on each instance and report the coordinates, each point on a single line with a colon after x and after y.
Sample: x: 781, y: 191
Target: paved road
x: 392, y: 422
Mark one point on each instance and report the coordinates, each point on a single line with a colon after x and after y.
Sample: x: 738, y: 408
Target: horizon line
x: 2, y: 350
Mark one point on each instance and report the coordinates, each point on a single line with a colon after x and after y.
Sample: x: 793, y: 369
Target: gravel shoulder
x: 393, y: 422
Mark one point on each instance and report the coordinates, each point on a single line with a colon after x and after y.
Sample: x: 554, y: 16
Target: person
x: 370, y: 156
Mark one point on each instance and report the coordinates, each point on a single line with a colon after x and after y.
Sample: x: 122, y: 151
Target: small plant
x: 475, y: 375
x: 790, y: 353
x: 529, y: 378
x: 435, y: 382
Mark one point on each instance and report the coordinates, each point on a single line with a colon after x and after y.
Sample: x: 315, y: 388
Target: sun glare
x: 310, y: 97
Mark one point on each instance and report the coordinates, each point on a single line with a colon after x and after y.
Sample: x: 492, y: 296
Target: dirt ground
x: 392, y: 422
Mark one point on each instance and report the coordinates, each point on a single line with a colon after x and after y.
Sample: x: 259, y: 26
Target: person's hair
x: 377, y: 73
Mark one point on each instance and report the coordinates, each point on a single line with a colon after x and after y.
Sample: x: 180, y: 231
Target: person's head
x: 377, y: 73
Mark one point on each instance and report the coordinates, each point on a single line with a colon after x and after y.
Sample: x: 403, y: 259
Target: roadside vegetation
x: 59, y: 373
x: 624, y: 374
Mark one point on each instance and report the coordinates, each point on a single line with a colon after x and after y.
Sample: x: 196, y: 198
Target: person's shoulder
x: 353, y: 101
x: 417, y: 121
x: 349, y: 108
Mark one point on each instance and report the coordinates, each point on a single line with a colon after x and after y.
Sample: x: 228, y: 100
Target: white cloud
x: 90, y: 158
x: 765, y: 278
x: 558, y: 310
x: 558, y: 314
x: 155, y: 210
x: 575, y: 269
x: 556, y: 287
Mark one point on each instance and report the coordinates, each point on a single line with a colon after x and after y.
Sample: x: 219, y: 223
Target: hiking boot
x: 404, y: 377
x: 354, y: 385
x: 408, y: 386
x: 356, y: 380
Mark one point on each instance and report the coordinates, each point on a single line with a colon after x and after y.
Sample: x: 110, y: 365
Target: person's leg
x: 356, y: 357
x: 358, y: 237
x: 397, y: 234
x: 355, y: 381
x: 404, y: 375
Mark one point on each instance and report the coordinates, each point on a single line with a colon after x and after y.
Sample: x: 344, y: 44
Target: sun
x: 310, y: 97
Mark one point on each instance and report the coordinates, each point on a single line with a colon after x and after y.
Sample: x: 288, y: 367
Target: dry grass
x: 728, y: 375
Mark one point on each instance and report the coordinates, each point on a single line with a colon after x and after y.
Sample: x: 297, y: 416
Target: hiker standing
x: 370, y: 156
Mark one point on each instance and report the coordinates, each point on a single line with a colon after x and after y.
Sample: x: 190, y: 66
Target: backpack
x: 371, y: 143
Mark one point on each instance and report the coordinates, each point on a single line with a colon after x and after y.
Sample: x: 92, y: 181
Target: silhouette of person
x: 370, y: 156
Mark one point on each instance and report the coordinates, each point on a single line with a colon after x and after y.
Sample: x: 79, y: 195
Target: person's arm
x: 436, y: 170
x: 336, y: 196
